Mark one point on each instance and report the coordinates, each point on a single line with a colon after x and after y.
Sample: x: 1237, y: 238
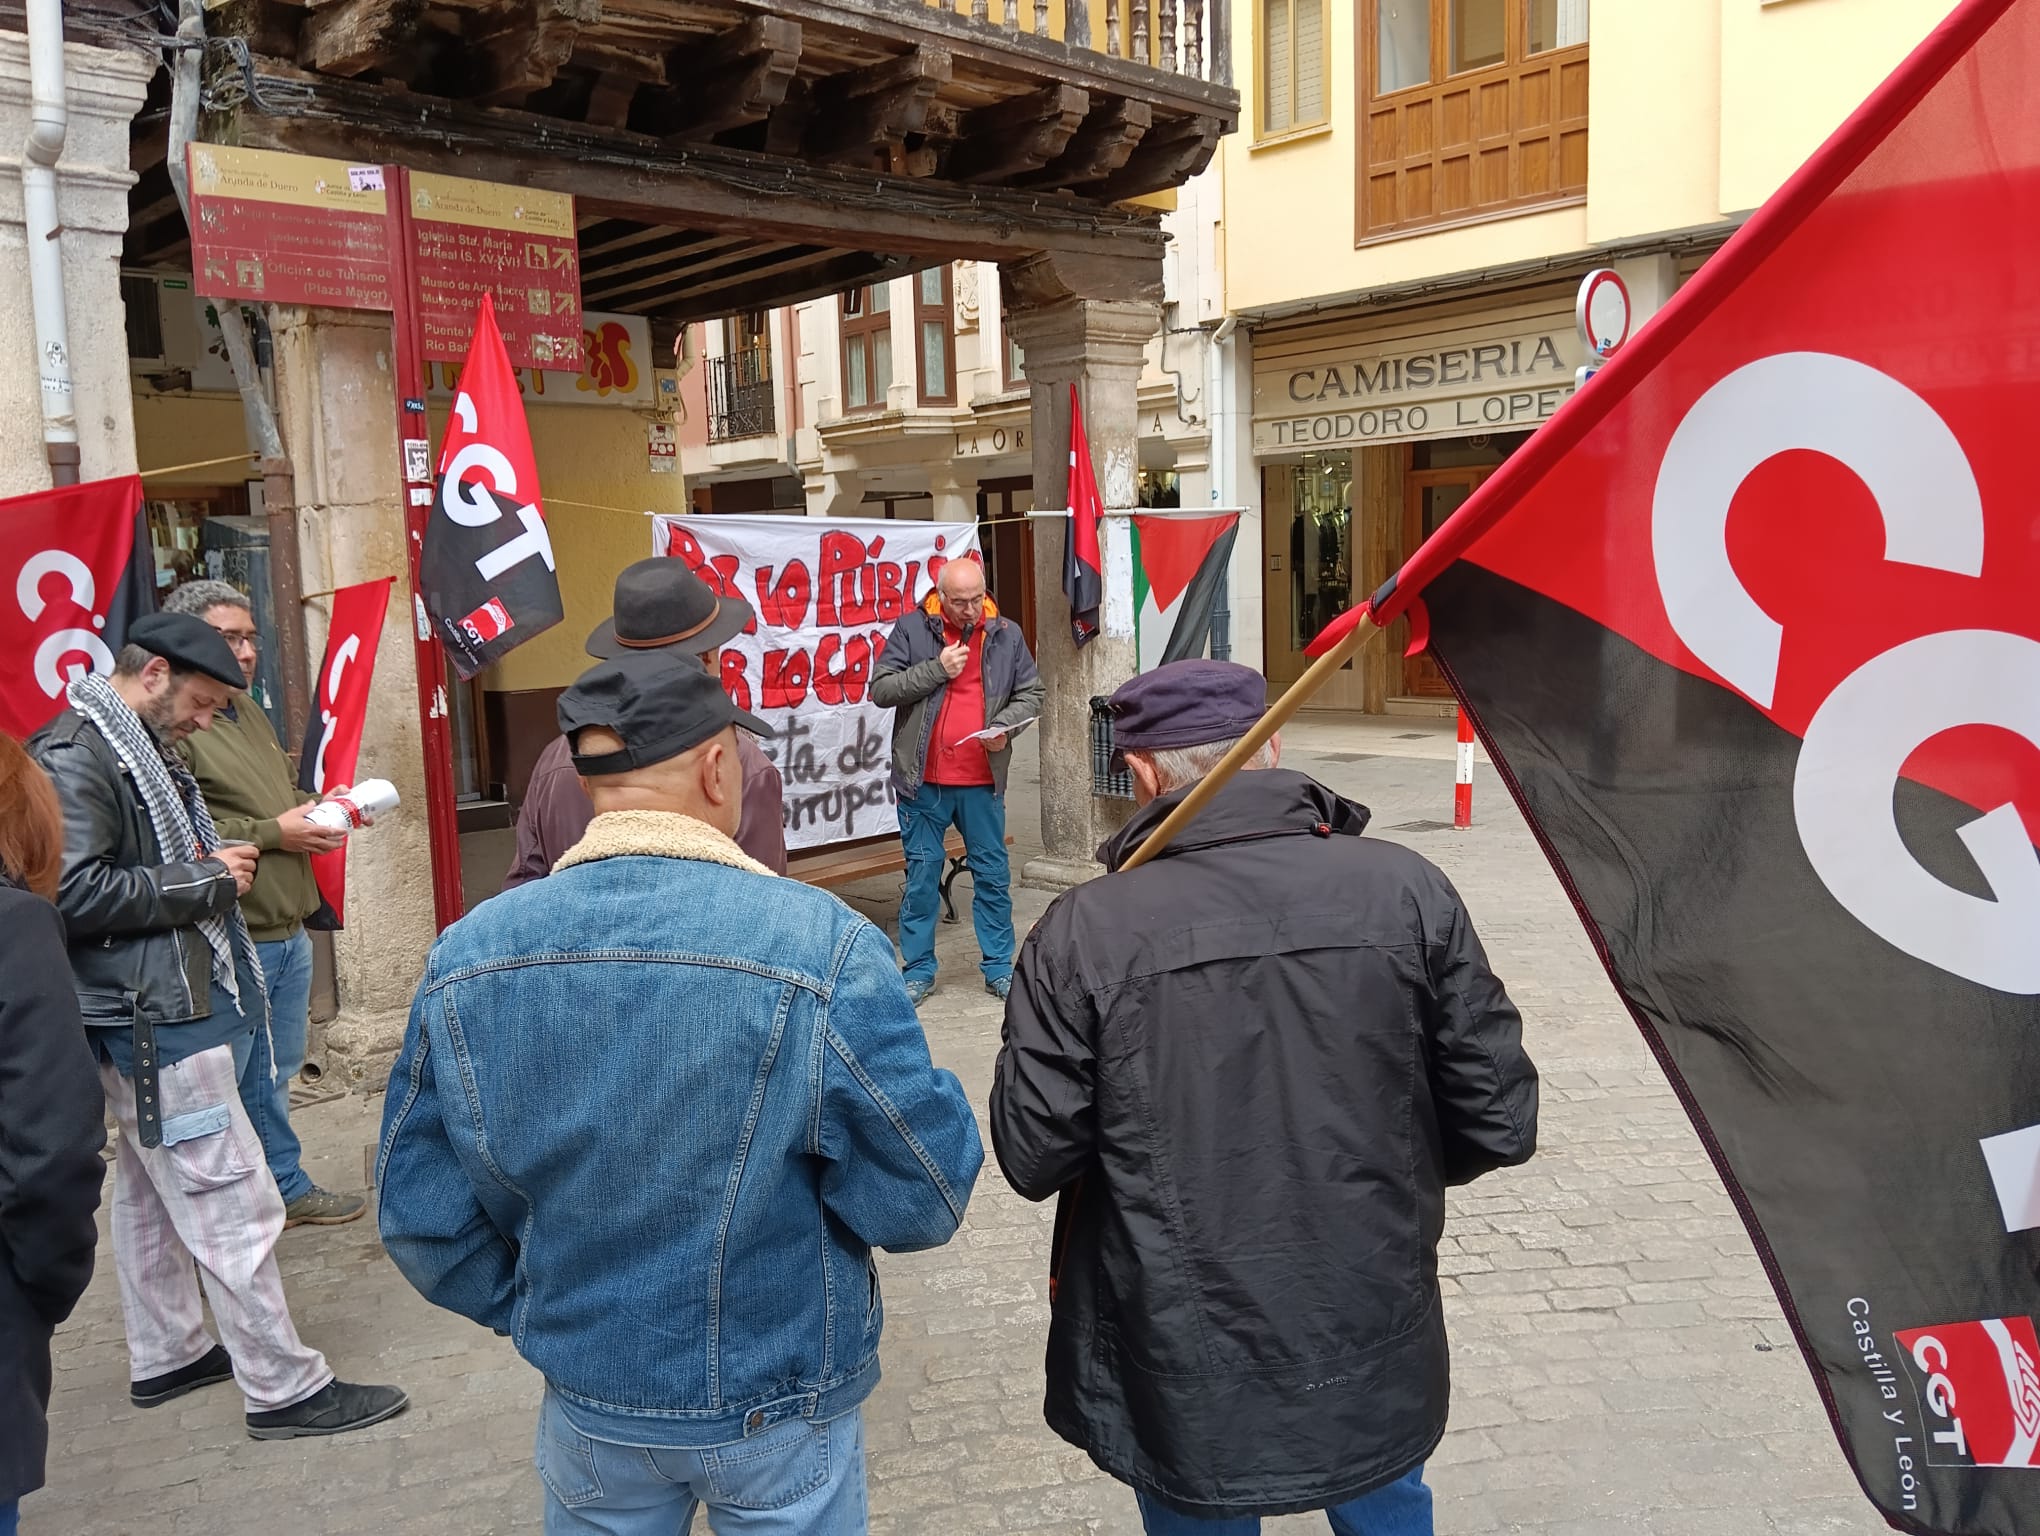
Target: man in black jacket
x: 1250, y: 1068
x: 168, y: 983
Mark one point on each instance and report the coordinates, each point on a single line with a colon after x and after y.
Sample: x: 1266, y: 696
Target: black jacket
x: 909, y: 681
x: 131, y: 917
x: 1251, y: 1067
x: 50, y: 1134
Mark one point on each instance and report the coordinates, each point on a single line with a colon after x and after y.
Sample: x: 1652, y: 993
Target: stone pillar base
x: 1047, y: 874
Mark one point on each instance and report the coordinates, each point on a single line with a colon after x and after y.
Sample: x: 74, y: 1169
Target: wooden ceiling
x: 725, y: 154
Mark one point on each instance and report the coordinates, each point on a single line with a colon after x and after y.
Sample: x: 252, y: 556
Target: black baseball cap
x: 188, y: 643
x: 661, y: 605
x: 659, y: 703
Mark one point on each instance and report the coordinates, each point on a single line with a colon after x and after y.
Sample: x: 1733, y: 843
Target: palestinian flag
x: 1752, y: 631
x: 1083, y: 568
x: 1179, y: 565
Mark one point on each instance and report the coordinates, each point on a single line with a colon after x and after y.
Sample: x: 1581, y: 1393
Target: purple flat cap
x: 1186, y: 704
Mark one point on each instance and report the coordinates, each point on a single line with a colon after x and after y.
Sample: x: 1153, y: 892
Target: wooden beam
x: 1166, y: 159
x: 628, y: 176
x: 856, y: 111
x: 736, y: 78
x: 352, y: 37
x: 599, y: 274
x: 523, y: 51
x: 790, y: 288
x: 1104, y: 143
x: 603, y: 295
x: 1022, y: 133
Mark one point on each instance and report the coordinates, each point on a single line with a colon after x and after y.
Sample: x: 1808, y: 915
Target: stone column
x: 1098, y: 345
x: 104, y: 89
x: 954, y: 490
x: 336, y: 409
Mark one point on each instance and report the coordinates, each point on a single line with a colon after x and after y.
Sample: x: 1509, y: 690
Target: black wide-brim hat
x: 661, y: 605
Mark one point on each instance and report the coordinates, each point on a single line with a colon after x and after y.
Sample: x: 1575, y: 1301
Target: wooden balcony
x: 735, y: 153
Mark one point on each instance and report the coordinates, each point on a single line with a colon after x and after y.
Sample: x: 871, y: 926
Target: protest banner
x: 827, y: 592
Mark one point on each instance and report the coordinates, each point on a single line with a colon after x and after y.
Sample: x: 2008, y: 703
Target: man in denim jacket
x: 651, y: 1116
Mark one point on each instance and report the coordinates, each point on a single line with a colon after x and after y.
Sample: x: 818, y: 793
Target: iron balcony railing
x: 740, y: 396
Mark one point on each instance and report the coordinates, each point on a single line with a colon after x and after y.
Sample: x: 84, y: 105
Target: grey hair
x: 198, y: 598
x: 1179, y: 767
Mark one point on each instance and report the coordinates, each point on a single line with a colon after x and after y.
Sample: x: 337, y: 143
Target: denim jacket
x: 650, y: 1118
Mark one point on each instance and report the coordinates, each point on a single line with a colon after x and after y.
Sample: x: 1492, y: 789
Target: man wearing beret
x: 250, y: 788
x: 170, y: 987
x: 661, y: 607
x: 651, y: 1115
x: 1250, y: 1068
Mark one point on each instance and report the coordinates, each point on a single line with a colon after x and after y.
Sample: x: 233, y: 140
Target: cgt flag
x: 1083, y: 569
x: 340, y: 710
x: 1750, y: 631
x: 1179, y: 565
x: 487, y: 566
x: 75, y: 572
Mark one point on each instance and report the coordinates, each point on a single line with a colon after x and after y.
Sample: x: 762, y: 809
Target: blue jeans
x: 10, y: 1517
x: 287, y: 974
x: 978, y: 812
x: 798, y: 1478
x: 1402, y: 1508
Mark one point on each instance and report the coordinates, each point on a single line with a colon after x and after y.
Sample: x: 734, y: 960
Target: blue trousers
x: 979, y: 813
x: 287, y: 975
x: 10, y: 1517
x: 794, y: 1479
x: 1402, y: 1508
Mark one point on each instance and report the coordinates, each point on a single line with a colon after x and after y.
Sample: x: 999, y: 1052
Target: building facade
x: 1418, y: 188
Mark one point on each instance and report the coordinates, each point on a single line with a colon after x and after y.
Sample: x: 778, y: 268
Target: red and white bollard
x: 1462, y: 790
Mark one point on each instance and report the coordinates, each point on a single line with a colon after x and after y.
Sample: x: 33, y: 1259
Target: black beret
x: 189, y: 644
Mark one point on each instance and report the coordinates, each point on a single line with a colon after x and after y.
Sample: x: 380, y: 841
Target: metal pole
x: 1362, y: 635
x: 48, y: 125
x: 1462, y: 789
x: 442, y: 816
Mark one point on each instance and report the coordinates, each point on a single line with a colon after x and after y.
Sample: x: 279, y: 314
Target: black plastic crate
x: 1105, y: 782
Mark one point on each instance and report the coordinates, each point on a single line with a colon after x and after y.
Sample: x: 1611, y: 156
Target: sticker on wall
x: 662, y: 448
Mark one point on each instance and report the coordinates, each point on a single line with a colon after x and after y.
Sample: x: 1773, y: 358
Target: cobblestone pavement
x: 1619, y: 1363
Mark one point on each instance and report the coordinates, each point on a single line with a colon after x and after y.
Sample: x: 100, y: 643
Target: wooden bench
x: 841, y: 863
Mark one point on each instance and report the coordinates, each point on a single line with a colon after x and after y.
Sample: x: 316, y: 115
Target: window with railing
x: 740, y: 398
x: 935, y: 335
x: 1471, y: 108
x: 867, y: 347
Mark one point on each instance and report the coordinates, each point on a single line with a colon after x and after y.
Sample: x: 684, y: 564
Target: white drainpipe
x: 46, y: 133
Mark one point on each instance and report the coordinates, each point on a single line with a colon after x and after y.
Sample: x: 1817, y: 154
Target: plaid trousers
x: 203, y: 1203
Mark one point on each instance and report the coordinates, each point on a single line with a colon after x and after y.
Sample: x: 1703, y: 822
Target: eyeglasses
x: 237, y: 642
x: 969, y: 602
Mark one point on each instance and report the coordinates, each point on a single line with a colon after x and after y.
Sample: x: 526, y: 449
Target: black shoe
x: 214, y: 1365
x: 336, y: 1409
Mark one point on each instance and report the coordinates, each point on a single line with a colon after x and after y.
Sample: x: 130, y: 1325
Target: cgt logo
x: 1979, y: 1391
x: 62, y: 655
x: 487, y: 622
x: 1873, y: 720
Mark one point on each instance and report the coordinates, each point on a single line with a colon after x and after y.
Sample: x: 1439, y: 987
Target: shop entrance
x: 1429, y: 497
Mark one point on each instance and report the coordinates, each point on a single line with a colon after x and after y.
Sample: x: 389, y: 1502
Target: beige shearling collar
x: 659, y: 835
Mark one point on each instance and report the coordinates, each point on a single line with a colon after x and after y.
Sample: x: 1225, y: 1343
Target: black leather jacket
x: 130, y: 918
x: 1251, y: 1068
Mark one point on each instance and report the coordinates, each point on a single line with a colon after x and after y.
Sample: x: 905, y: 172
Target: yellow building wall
x: 1698, y: 109
x: 1793, y: 70
x: 592, y: 468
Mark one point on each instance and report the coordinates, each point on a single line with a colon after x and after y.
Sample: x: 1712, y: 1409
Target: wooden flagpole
x: 1300, y: 692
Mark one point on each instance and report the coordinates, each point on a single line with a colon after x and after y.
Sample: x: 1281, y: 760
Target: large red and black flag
x: 1752, y: 630
x: 76, y: 568
x: 487, y: 566
x: 1083, y: 567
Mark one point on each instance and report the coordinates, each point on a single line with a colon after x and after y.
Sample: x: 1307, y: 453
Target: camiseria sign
x: 1500, y: 377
